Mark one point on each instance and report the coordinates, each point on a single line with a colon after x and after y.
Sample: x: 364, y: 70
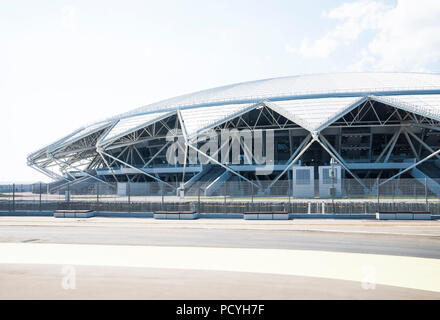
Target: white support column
x: 425, y: 126
x: 340, y: 159
x: 86, y: 173
x: 48, y: 173
x: 387, y: 146
x: 137, y: 169
x: 106, y: 164
x: 139, y: 154
x: 61, y: 167
x: 413, y: 149
x: 341, y: 162
x: 328, y: 144
x: 185, y: 136
x: 390, y: 151
x: 156, y: 154
x: 412, y: 166
x: 421, y: 142
x: 296, y: 156
x: 221, y: 164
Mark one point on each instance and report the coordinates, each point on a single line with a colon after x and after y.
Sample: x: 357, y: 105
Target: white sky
x: 64, y: 64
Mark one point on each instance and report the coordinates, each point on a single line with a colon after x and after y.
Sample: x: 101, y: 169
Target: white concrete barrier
x: 251, y: 216
x: 189, y: 216
x: 73, y: 214
x: 265, y: 216
x: 159, y: 216
x: 385, y: 216
x: 281, y: 216
x: 175, y: 215
x: 404, y: 216
x: 422, y: 216
x: 58, y: 214
x: 416, y: 215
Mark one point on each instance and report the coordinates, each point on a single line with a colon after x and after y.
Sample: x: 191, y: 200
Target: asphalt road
x: 219, y: 234
x: 45, y: 282
x: 35, y: 279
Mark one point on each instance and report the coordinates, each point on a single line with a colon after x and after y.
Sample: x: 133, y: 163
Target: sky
x: 65, y: 64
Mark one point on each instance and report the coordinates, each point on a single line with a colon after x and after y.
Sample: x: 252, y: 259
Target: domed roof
x: 311, y: 101
x: 302, y: 86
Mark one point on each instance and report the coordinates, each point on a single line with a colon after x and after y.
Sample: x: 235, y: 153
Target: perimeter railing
x: 231, y: 197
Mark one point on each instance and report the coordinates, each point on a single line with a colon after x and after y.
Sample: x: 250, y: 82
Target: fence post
x: 378, y: 196
x: 128, y: 193
x: 198, y: 200
x: 224, y: 197
x: 252, y: 193
x: 162, y: 196
x: 288, y: 192
x: 415, y: 191
x: 426, y: 194
x: 13, y: 197
x: 68, y: 196
x: 394, y: 193
x: 97, y: 192
x: 40, y: 198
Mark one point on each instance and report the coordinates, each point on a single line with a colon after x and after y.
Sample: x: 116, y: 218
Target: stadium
x: 330, y: 133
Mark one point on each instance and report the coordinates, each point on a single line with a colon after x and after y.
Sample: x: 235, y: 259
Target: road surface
x: 151, y: 259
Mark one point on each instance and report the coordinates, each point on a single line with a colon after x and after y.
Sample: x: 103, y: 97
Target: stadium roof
x: 311, y: 101
x: 302, y: 86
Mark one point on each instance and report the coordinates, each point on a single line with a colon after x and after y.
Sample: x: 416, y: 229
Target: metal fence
x: 231, y: 197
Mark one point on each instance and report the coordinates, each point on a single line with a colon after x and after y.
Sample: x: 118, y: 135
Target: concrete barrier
x: 274, y: 215
x: 159, y: 216
x: 123, y: 214
x: 265, y: 216
x: 423, y: 216
x: 385, y: 216
x: 253, y: 216
x: 176, y: 215
x: 277, y: 216
x: 189, y: 216
x: 106, y: 214
x: 73, y: 214
x: 403, y: 215
x: 26, y: 214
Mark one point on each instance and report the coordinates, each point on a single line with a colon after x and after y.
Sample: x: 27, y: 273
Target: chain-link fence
x: 230, y: 197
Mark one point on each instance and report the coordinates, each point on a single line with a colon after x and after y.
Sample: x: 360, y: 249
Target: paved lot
x: 327, y: 258
x: 406, y: 238
x: 45, y: 282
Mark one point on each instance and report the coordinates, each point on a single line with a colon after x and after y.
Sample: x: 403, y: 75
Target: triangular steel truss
x: 96, y: 147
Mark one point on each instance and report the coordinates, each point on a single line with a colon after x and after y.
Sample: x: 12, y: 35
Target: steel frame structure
x: 86, y: 153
